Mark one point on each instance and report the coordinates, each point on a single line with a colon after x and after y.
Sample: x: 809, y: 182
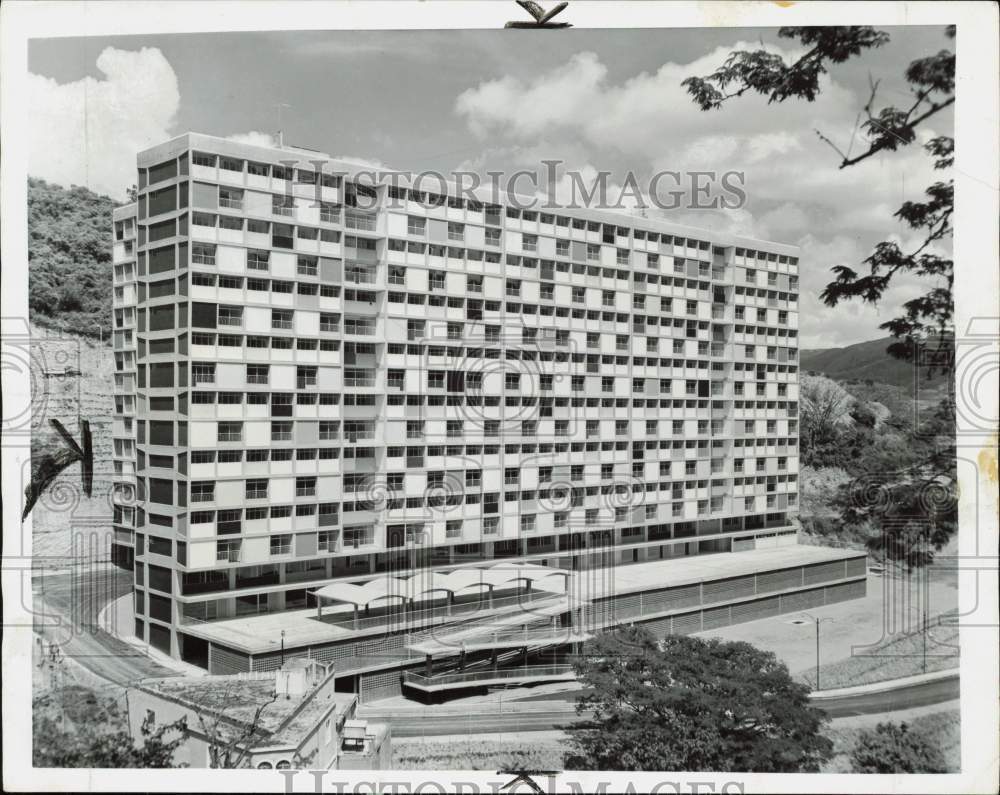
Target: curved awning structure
x: 424, y: 585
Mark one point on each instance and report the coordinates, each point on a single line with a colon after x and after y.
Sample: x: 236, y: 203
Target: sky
x: 598, y: 100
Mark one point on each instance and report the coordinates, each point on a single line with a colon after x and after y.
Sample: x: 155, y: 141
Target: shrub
x: 896, y: 748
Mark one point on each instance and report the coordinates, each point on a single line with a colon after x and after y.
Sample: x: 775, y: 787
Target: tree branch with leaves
x: 884, y: 130
x: 920, y: 517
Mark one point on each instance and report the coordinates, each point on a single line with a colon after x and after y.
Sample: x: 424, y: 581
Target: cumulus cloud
x: 254, y: 138
x: 795, y: 193
x: 87, y: 132
x: 367, y: 162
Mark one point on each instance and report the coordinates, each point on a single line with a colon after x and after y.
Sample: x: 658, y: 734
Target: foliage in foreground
x: 901, y: 495
x: 896, y: 748
x: 692, y: 704
x: 98, y: 736
x: 912, y: 507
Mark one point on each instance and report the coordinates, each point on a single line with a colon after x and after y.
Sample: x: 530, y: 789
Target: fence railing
x: 402, y: 618
x: 523, y: 672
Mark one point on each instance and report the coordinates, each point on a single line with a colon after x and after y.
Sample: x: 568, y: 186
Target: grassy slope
x: 899, y: 656
x: 527, y: 754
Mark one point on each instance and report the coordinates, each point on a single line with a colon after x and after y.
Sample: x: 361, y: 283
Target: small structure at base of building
x: 289, y: 718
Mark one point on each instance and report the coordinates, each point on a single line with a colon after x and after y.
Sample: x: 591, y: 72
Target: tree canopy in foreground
x: 688, y: 703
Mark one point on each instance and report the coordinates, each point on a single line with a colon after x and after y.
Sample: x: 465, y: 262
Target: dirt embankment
x: 72, y: 379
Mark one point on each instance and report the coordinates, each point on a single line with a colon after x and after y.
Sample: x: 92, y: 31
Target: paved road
x: 67, y: 605
x: 485, y: 719
x: 915, y: 695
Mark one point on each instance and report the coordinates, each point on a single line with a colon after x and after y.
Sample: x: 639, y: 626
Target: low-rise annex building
x: 291, y: 717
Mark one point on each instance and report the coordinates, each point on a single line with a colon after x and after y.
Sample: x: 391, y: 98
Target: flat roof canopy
x: 423, y: 585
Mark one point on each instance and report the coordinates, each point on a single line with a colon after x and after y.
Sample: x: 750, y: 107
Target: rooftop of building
x: 283, y: 720
x: 260, y: 633
x: 124, y: 211
x: 351, y: 169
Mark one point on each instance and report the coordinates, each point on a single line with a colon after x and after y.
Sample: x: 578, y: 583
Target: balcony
x: 228, y: 555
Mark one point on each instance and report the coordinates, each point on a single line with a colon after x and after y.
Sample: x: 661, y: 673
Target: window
x: 230, y: 432
x: 257, y: 373
x: 256, y: 489
x: 230, y: 316
x: 281, y: 545
x: 281, y: 431
x: 281, y: 319
x: 307, y: 266
x: 202, y: 374
x: 227, y: 551
x: 202, y: 491
x: 203, y: 253
x: 415, y: 226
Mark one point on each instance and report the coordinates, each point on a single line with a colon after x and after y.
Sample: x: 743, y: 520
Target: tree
x: 921, y: 495
x: 932, y: 84
x: 230, y: 739
x: 688, y: 703
x: 824, y: 406
x: 909, y: 491
x: 896, y: 748
x: 90, y: 746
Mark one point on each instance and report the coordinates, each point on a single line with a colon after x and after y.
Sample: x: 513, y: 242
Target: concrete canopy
x: 423, y: 585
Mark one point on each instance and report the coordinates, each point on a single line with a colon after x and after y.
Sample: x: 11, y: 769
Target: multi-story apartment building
x: 123, y: 426
x: 337, y: 383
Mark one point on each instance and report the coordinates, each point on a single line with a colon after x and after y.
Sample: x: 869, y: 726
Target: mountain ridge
x: 866, y: 361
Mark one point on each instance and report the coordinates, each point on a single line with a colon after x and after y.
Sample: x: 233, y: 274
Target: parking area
x: 892, y: 605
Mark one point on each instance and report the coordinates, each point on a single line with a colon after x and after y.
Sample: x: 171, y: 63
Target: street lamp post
x: 817, y: 622
x: 282, y: 648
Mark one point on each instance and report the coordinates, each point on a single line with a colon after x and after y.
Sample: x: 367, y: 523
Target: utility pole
x: 282, y: 648
x: 923, y: 633
x: 817, y: 653
x: 281, y: 129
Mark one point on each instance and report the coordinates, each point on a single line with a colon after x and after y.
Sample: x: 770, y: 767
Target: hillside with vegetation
x: 877, y: 469
x: 69, y: 258
x: 868, y: 363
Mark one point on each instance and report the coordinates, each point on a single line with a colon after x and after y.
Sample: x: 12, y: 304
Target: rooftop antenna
x: 281, y: 132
